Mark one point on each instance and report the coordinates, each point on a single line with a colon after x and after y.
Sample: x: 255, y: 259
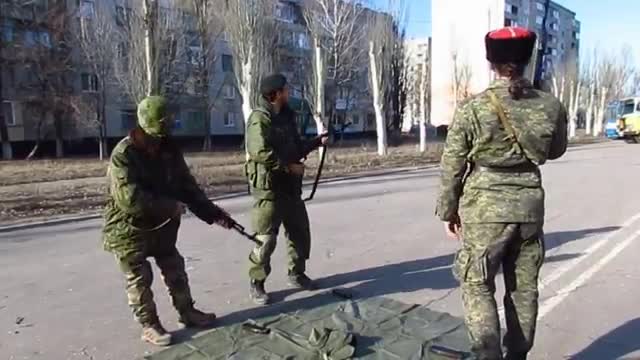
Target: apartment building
x: 563, y: 31
x: 418, y: 60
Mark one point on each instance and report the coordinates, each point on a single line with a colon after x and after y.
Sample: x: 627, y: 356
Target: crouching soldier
x: 149, y: 182
x: 274, y: 171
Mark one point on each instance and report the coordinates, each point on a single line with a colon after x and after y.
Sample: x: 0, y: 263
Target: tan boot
x: 194, y: 318
x: 156, y: 335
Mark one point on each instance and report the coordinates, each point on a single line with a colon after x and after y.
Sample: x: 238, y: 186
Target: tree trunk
x: 423, y: 108
x: 59, y: 131
x: 245, y: 87
x: 7, y: 150
x: 150, y: 8
x: 597, y: 123
x: 319, y: 91
x: 590, y: 105
x: 381, y: 128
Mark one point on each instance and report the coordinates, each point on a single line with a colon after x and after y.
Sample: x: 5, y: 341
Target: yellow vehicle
x: 629, y: 122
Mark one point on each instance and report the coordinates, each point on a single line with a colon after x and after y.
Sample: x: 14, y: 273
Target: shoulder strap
x: 511, y: 132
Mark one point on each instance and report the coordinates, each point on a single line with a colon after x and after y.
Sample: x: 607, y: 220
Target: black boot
x: 302, y: 282
x: 257, y: 292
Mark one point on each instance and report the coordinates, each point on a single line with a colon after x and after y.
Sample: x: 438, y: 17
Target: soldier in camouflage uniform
x: 274, y: 171
x: 148, y: 183
x: 492, y: 197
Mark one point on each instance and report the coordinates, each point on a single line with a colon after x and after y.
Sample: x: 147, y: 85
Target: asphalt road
x: 62, y: 297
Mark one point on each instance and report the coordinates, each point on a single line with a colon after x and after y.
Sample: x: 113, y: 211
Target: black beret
x: 510, y: 45
x: 272, y: 83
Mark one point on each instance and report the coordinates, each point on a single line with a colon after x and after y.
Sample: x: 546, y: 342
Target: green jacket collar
x: 506, y: 83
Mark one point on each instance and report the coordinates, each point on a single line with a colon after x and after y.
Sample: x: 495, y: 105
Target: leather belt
x: 522, y: 168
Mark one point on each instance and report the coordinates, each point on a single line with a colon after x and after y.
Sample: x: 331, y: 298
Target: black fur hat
x: 272, y: 83
x: 510, y: 45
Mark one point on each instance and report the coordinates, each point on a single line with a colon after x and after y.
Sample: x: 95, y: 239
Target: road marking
x: 552, y: 302
x: 575, y: 262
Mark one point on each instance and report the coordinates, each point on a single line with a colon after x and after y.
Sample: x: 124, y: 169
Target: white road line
x: 552, y: 302
x: 575, y: 262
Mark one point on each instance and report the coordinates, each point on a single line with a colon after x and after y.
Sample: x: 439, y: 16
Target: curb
x: 82, y: 218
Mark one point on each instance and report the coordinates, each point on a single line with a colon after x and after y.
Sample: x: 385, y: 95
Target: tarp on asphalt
x: 374, y: 328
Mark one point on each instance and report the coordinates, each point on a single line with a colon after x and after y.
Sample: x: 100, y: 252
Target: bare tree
x: 336, y: 34
x: 252, y: 31
x: 209, y: 28
x: 382, y: 30
x: 461, y: 84
x: 606, y: 77
x: 98, y: 41
x: 47, y: 58
x: 425, y: 82
x: 153, y: 53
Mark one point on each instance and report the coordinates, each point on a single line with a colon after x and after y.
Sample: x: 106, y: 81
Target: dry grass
x: 45, y: 188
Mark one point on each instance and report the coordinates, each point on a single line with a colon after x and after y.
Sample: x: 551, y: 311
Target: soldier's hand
x: 452, y: 228
x: 296, y: 169
x: 225, y: 220
x: 324, y: 138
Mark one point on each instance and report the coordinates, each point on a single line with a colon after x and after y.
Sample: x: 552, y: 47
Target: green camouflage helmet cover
x: 153, y: 116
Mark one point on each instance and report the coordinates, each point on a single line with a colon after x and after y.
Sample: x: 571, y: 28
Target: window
x: 8, y: 110
x: 508, y: 22
x: 229, y: 119
x: 539, y: 20
x: 227, y: 63
x: 573, y: 45
x: 229, y: 92
x: 540, y: 7
x: 303, y: 41
x: 122, y: 50
x: 554, y: 52
x: 556, y: 14
x: 355, y: 120
x: 195, y: 55
x: 128, y: 119
x: 8, y: 30
x: 44, y: 39
x: 514, y: 10
x: 285, y: 12
x: 30, y: 38
x: 87, y: 8
x: 225, y: 36
x: 555, y: 26
x: 89, y: 82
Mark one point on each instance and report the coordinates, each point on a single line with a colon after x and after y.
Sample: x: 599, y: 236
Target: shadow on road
x: 405, y: 277
x: 557, y: 239
x: 614, y: 345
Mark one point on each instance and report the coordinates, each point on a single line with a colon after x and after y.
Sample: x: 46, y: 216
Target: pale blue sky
x: 606, y: 24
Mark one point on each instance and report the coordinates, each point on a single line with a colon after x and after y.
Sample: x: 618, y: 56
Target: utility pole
x: 537, y: 81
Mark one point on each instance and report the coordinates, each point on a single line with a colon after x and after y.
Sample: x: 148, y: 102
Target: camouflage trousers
x: 160, y: 245
x: 519, y: 250
x: 267, y: 217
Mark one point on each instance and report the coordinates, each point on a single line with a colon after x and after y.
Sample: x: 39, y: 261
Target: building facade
x: 562, y: 29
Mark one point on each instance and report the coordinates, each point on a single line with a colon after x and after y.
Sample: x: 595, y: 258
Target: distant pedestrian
x: 492, y: 198
x: 148, y: 183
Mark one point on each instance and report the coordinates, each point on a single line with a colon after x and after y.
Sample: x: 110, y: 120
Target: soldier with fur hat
x: 491, y: 196
x: 148, y: 183
x: 275, y: 171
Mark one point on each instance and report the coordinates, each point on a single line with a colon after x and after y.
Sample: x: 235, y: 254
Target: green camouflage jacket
x: 273, y: 142
x: 477, y: 141
x: 144, y: 192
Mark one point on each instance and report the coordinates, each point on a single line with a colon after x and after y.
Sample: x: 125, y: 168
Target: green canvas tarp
x: 381, y: 328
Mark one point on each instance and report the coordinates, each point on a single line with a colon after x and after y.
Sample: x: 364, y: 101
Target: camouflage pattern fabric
x: 519, y: 249
x: 273, y: 143
x: 139, y: 276
x: 477, y: 139
x: 323, y: 327
x: 267, y: 217
x: 491, y: 184
x: 142, y: 219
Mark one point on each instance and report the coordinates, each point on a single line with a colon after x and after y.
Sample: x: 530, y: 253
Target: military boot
x: 257, y: 292
x: 194, y: 318
x: 156, y: 334
x: 302, y: 282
